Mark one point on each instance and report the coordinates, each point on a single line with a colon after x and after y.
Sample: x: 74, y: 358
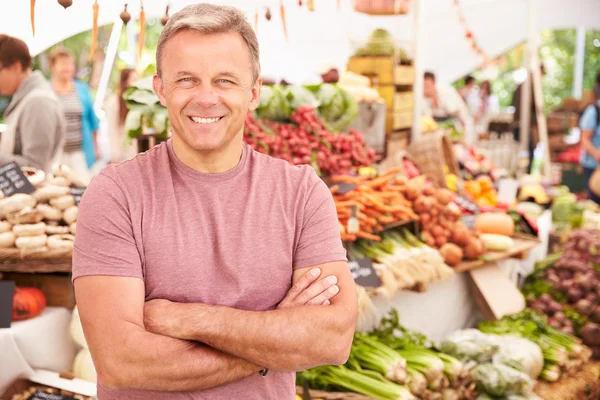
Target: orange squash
x: 28, y: 302
x: 495, y: 222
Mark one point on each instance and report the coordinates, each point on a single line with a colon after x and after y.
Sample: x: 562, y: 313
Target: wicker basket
x: 40, y: 260
x: 382, y: 7
x: 431, y: 153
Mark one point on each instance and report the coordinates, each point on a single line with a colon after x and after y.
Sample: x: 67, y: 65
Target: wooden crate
x: 57, y: 287
x: 399, y: 120
x: 403, y: 101
x: 388, y: 94
x: 382, y: 70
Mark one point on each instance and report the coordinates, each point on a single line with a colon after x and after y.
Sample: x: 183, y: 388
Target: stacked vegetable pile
x: 440, y: 222
x: 566, y: 287
x: 563, y: 353
x: 337, y: 108
x: 373, y: 203
x: 393, y: 363
x: 402, y: 262
x: 45, y: 219
x: 307, y: 141
x: 145, y: 111
x: 500, y: 366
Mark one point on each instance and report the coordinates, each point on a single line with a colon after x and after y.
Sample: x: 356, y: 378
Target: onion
x: 596, y: 314
x: 564, y: 274
x: 592, y: 297
x: 538, y: 306
x: 584, y: 307
x: 554, y: 307
x: 554, y: 323
x: 574, y: 294
x: 568, y: 329
x: 560, y: 317
x: 546, y: 298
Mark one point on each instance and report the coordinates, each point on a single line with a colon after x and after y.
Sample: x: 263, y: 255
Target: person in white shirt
x: 466, y: 90
x: 443, y: 102
x: 482, y: 105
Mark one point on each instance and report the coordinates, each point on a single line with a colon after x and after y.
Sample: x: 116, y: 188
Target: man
x: 467, y: 89
x: 196, y: 265
x: 443, y: 102
x: 34, y: 134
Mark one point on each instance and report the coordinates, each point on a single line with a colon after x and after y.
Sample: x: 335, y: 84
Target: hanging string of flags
x: 475, y: 47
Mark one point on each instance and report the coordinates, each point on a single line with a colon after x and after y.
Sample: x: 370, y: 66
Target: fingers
x: 304, y: 282
x: 316, y: 289
x: 325, y: 296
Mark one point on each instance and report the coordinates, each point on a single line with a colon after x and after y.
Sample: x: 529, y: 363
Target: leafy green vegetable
x: 273, y: 104
x: 390, y: 332
x: 501, y: 380
x: 374, y: 355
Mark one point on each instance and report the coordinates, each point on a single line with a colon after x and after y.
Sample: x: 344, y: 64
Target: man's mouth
x: 202, y: 120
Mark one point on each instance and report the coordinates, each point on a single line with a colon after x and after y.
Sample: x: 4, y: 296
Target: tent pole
x: 111, y: 53
x: 579, y: 63
x: 418, y: 38
x: 525, y: 122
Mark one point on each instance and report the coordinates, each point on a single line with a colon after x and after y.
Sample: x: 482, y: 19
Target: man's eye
x: 185, y: 80
x: 224, y: 81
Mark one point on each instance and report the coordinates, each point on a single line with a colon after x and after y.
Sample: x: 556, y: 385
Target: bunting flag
x: 471, y: 41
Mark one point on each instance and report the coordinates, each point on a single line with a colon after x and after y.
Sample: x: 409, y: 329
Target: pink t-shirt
x: 229, y: 239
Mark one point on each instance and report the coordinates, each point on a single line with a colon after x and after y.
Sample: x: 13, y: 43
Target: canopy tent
x: 328, y: 36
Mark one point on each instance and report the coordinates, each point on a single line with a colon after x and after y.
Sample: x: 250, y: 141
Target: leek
x: 425, y: 362
x: 342, y: 377
x: 417, y: 383
x: 376, y: 356
x: 453, y: 369
x: 550, y: 373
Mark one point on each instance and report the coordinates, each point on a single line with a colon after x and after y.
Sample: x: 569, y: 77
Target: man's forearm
x: 154, y: 362
x: 289, y: 340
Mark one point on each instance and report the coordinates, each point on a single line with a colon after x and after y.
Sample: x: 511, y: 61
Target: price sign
x: 41, y: 395
x: 343, y: 187
x: 7, y: 290
x: 364, y: 274
x: 13, y: 180
x: 77, y: 192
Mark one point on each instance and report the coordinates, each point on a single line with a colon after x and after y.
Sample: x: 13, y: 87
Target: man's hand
x: 160, y: 317
x: 309, y: 291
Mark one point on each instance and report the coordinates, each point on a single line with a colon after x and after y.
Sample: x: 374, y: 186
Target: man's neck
x: 213, y: 162
x: 22, y: 77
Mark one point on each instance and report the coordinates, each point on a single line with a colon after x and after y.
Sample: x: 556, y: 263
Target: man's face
x: 428, y: 87
x: 10, y: 79
x: 206, y: 83
x: 64, y: 68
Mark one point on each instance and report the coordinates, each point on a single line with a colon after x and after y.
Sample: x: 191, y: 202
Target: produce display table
x: 39, y: 343
x: 584, y: 385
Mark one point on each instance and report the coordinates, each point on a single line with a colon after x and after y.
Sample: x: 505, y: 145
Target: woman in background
x: 482, y: 104
x: 116, y: 113
x: 81, y: 148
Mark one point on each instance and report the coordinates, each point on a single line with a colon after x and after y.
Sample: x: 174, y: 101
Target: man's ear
x: 159, y: 89
x: 255, y: 94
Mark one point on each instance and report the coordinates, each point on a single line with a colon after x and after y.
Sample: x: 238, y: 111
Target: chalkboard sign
x: 7, y: 291
x: 13, y: 180
x: 364, y: 273
x: 41, y: 395
x: 77, y: 193
x: 343, y: 187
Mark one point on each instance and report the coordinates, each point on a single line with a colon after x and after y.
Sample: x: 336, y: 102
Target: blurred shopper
x: 590, y: 140
x: 81, y: 149
x: 482, y: 104
x: 443, y: 102
x: 35, y: 131
x: 466, y: 90
x: 116, y: 113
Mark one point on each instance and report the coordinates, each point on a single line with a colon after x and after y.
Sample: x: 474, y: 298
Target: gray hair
x: 210, y: 19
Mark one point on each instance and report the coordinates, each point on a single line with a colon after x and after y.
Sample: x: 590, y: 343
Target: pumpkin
x: 496, y: 223
x: 28, y: 302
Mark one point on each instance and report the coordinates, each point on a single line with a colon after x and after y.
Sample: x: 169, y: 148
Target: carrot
x: 386, y: 219
x: 282, y: 8
x: 378, y: 182
x: 344, y: 178
x: 142, y: 37
x: 368, y: 236
x: 96, y: 8
x: 392, y: 171
x: 347, y: 203
x: 348, y: 238
x: 32, y: 15
x: 334, y: 188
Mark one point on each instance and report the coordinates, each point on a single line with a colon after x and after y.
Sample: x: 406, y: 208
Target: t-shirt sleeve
x: 588, y: 121
x: 320, y: 239
x: 105, y: 243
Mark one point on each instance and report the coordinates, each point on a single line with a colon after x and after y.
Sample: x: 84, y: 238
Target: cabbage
x: 338, y: 108
x: 521, y: 354
x: 298, y: 96
x: 500, y: 380
x: 273, y: 104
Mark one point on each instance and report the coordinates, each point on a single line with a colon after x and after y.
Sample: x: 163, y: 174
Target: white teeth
x: 204, y: 120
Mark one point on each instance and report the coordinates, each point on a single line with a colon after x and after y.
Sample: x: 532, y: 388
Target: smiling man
x: 203, y: 269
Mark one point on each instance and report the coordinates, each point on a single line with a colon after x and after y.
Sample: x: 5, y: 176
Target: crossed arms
x: 161, y: 345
